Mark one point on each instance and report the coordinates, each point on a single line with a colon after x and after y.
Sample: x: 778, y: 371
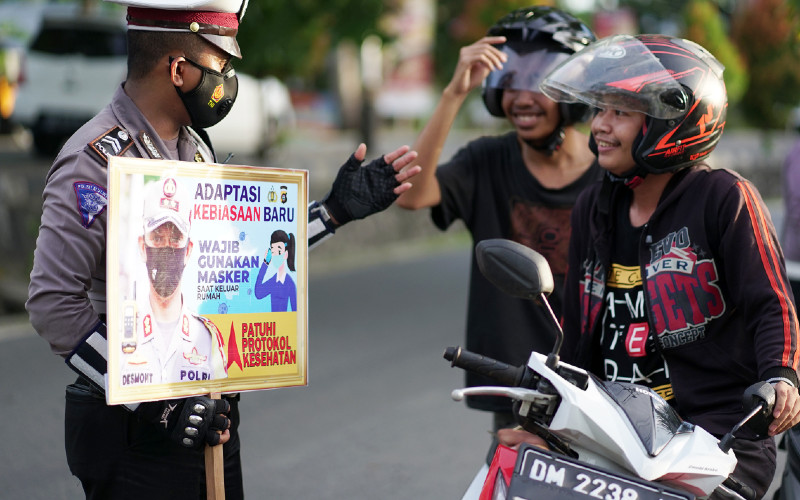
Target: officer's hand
x: 358, y: 192
x: 190, y: 422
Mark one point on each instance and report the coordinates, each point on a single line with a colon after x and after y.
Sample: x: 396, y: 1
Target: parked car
x: 75, y: 62
x: 263, y: 111
x: 72, y: 68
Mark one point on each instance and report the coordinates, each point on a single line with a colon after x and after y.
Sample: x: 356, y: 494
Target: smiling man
x: 519, y: 186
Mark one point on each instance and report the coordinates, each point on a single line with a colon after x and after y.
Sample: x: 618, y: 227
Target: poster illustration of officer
x: 207, y: 276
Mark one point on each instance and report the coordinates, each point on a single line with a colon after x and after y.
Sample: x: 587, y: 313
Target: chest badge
x: 194, y: 357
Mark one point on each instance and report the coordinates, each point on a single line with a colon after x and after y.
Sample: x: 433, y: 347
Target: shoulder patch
x: 92, y: 201
x: 113, y: 142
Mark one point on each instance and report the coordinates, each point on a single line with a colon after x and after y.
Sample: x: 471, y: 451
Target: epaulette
x: 209, y: 324
x: 212, y: 328
x: 113, y: 142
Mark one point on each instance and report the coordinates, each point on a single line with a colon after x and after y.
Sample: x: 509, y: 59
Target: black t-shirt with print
x: 627, y: 343
x: 487, y: 185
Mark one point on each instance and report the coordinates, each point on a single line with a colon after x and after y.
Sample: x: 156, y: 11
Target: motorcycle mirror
x: 514, y: 268
x: 520, y: 272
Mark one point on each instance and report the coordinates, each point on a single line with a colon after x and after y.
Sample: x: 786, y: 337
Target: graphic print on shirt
x: 629, y: 349
x: 543, y: 229
x: 683, y: 290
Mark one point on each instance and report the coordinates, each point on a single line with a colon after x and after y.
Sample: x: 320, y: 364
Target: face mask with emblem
x: 212, y: 99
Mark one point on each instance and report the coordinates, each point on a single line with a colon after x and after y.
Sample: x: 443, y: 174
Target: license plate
x: 540, y: 474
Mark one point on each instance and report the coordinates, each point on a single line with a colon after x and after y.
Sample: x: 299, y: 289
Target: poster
x: 206, y: 279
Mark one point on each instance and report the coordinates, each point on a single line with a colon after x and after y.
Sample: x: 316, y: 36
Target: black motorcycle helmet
x: 537, y: 40
x: 675, y: 82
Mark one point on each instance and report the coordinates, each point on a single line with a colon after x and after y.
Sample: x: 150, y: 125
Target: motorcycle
x: 608, y: 440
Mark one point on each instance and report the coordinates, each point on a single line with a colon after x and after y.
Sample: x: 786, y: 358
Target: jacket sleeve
x: 573, y: 316
x: 69, y: 259
x: 757, y: 280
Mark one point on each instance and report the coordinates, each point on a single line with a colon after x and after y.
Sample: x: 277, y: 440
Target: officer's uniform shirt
x: 67, y: 291
x: 185, y: 351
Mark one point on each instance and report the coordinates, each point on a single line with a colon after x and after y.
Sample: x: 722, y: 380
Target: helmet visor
x: 524, y: 69
x: 618, y: 72
x: 226, y: 43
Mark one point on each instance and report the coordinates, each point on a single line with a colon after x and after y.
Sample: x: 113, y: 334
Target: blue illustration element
x: 280, y: 286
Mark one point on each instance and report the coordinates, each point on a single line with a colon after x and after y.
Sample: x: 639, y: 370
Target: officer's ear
x: 142, y: 252
x: 177, y: 68
x: 189, y: 246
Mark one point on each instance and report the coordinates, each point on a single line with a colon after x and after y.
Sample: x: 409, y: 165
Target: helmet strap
x: 632, y: 177
x: 549, y: 144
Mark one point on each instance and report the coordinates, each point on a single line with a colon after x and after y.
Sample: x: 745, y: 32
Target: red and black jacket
x: 716, y: 292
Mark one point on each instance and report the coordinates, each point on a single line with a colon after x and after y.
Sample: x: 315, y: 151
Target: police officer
x: 171, y: 344
x: 180, y: 80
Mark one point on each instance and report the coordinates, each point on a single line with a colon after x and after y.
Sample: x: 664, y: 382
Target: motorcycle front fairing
x: 632, y: 429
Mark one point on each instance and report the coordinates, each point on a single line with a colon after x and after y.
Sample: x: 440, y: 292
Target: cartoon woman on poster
x: 280, y: 286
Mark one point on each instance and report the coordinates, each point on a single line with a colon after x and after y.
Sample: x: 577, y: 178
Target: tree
x: 294, y: 38
x: 767, y: 33
x: 705, y: 26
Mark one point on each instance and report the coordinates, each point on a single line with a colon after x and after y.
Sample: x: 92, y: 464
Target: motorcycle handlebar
x: 740, y: 488
x: 503, y: 373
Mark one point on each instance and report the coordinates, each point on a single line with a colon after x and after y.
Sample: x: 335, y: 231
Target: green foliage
x: 704, y: 26
x: 767, y: 33
x: 294, y: 38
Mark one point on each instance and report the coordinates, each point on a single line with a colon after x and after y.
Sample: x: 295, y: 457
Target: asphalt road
x: 376, y: 420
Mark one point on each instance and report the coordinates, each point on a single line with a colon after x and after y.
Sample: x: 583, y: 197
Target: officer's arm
x: 70, y: 250
x: 360, y: 191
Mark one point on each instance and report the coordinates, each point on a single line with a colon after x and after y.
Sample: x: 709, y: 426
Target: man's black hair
x: 146, y: 48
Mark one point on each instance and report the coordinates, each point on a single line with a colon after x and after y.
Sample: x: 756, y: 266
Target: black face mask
x: 213, y: 97
x: 165, y: 268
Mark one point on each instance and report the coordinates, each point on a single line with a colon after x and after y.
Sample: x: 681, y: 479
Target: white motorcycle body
x: 596, y: 426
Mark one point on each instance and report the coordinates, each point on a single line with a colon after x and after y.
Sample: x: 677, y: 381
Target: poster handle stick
x: 215, y: 468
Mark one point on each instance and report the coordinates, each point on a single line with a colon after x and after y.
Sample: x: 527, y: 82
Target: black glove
x: 190, y: 422
x: 358, y: 192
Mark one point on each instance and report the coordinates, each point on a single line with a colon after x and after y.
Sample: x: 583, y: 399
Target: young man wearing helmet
x: 520, y: 185
x: 180, y: 80
x: 676, y: 279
